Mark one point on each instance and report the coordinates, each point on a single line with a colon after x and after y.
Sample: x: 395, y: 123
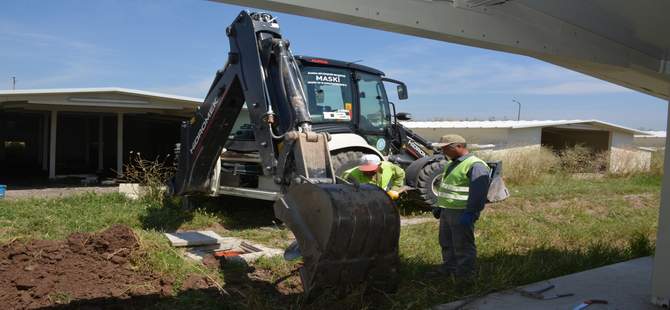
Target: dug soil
x: 91, y: 269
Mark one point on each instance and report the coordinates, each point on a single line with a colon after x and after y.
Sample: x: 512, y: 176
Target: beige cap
x: 449, y: 139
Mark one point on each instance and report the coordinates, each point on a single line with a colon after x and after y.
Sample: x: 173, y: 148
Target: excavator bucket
x: 347, y: 235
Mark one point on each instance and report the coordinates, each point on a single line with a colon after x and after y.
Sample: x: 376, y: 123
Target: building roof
x: 517, y: 124
x: 98, y: 90
x: 652, y: 134
x: 103, y: 99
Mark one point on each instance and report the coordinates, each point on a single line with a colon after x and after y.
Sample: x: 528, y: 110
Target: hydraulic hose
x: 292, y: 85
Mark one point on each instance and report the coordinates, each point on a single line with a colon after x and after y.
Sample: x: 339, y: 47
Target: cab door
x: 374, y: 117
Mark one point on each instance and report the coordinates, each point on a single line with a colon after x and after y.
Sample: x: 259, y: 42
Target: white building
x: 60, y: 132
x: 504, y: 135
x: 652, y: 139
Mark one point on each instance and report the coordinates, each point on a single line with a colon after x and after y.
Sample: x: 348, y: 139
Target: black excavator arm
x: 346, y: 234
x: 261, y: 72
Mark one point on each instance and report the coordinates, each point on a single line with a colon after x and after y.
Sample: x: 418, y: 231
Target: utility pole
x: 518, y: 114
x: 13, y: 83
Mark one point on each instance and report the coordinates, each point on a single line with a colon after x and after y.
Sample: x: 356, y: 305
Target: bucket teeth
x: 347, y: 234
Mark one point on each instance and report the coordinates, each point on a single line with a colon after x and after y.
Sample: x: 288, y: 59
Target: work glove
x: 393, y: 194
x: 436, y: 212
x: 467, y: 218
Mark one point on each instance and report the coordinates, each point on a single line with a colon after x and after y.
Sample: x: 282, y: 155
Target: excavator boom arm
x: 347, y: 234
x: 261, y: 72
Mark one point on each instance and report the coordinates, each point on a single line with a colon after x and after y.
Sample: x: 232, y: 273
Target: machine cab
x: 347, y: 97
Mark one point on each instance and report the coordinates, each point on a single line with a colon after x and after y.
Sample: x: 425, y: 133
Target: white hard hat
x: 369, y: 162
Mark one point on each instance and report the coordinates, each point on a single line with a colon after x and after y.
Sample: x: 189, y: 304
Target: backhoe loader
x: 347, y: 234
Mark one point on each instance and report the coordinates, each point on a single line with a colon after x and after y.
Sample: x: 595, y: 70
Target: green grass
x: 560, y: 186
x: 552, y: 227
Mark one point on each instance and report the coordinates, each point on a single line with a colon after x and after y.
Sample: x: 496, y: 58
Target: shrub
x: 151, y: 174
x: 582, y: 159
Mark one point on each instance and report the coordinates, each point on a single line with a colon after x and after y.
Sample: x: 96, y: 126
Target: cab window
x: 243, y: 129
x: 374, y: 113
x: 328, y: 93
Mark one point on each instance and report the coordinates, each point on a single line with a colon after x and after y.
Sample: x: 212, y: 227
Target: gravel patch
x: 55, y: 192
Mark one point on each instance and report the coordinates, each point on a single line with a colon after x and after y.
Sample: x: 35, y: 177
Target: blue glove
x: 467, y: 219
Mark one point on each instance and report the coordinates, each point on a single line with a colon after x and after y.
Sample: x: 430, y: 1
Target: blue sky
x: 176, y: 46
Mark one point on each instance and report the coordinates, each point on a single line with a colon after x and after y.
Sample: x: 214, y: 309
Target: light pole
x: 518, y: 114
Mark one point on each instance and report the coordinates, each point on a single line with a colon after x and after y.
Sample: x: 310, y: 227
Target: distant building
x: 60, y: 132
x: 652, y: 139
x: 560, y: 134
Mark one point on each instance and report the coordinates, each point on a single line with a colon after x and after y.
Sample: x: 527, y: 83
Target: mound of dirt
x: 83, y: 267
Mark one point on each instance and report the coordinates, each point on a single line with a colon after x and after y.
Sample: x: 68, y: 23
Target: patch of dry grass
x: 524, y: 165
x: 657, y: 162
x: 530, y: 165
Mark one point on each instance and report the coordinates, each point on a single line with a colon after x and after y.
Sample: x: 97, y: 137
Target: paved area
x: 624, y: 285
x: 55, y: 192
x: 416, y: 220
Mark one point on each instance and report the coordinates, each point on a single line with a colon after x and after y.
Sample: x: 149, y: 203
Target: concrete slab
x: 256, y: 251
x: 252, y: 252
x: 196, y: 238
x: 134, y: 190
x: 624, y: 285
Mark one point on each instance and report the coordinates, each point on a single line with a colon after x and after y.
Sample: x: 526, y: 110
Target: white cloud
x: 434, y: 72
x: 62, y: 61
x: 196, y: 88
x: 18, y: 34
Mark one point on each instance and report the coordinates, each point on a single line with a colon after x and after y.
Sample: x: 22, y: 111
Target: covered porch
x: 75, y: 132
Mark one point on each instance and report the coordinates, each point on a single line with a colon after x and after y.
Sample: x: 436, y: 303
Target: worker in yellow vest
x: 461, y: 198
x: 372, y: 170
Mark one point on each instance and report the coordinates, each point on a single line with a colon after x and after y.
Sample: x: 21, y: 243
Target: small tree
x: 151, y: 174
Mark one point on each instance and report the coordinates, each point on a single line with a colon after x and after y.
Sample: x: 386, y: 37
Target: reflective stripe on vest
x: 454, y: 196
x: 455, y: 187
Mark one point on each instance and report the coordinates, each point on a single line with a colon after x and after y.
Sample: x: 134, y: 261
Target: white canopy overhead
x: 624, y: 42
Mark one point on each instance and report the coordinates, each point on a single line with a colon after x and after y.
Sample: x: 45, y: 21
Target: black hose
x: 292, y: 86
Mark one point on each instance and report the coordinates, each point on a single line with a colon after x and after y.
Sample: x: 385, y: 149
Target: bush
x: 151, y: 174
x: 582, y: 159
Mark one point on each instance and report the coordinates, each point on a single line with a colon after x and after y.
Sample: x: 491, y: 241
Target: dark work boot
x: 440, y: 272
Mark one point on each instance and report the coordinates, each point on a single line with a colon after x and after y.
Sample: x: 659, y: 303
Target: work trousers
x: 459, y: 251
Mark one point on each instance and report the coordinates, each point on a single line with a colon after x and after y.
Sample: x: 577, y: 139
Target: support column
x: 87, y: 141
x: 100, y: 144
x: 45, y: 142
x: 52, y: 144
x: 119, y: 144
x: 661, y: 273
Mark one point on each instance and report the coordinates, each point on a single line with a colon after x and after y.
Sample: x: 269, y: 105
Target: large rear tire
x: 345, y: 160
x: 427, y: 182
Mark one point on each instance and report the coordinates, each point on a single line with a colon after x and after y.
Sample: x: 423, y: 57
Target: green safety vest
x: 455, y: 187
x: 391, y: 176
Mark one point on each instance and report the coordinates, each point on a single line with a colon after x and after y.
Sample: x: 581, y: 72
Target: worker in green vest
x: 372, y: 170
x: 461, y: 197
